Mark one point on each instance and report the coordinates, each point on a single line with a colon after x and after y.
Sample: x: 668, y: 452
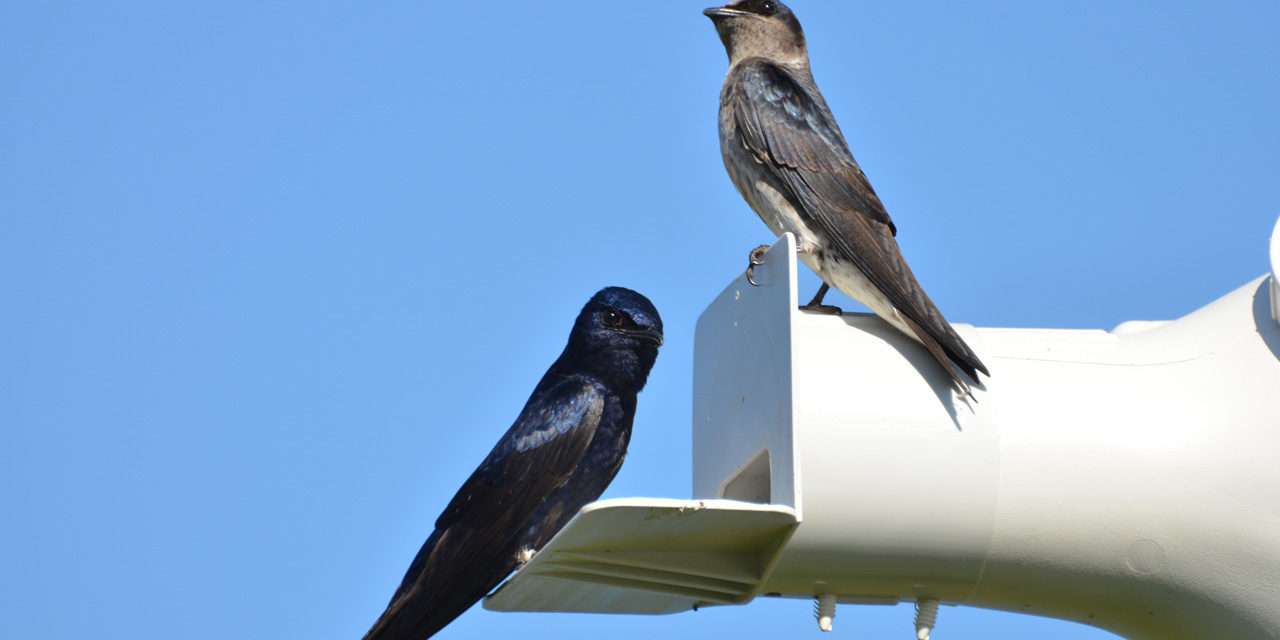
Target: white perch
x: 1127, y: 479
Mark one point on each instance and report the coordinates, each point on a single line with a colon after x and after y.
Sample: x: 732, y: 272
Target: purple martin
x: 562, y: 452
x: 789, y: 160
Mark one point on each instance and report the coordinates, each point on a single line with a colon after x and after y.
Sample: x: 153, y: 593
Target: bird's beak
x: 648, y: 335
x: 716, y: 13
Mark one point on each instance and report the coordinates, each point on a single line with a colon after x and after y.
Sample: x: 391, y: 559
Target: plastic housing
x: 1125, y: 479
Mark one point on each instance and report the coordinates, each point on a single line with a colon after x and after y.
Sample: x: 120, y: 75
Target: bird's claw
x: 525, y: 555
x: 754, y: 259
x: 824, y: 309
x: 815, y: 305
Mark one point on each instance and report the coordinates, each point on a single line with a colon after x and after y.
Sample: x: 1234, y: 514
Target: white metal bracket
x: 652, y: 556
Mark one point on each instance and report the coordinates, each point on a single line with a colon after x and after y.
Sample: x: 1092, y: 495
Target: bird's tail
x: 442, y: 583
x: 414, y: 617
x: 923, y: 319
x: 963, y: 374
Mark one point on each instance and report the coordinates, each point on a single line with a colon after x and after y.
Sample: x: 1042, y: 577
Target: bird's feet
x: 824, y: 309
x: 815, y: 305
x: 524, y: 555
x: 754, y: 259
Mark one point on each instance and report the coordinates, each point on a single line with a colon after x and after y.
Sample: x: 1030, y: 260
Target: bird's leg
x: 754, y: 259
x: 807, y: 248
x: 815, y: 305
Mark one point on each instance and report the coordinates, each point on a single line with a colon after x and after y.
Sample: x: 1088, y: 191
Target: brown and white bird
x: 789, y: 160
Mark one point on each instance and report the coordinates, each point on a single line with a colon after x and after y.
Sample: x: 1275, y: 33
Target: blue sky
x: 276, y: 275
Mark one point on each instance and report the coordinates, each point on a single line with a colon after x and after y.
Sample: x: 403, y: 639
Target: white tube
x: 1127, y: 480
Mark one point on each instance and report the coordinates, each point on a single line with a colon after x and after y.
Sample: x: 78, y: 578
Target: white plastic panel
x: 1138, y: 480
x: 651, y: 556
x: 742, y: 405
x: 900, y: 473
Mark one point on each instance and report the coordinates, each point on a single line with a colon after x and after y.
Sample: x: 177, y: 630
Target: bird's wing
x: 537, y: 454
x: 794, y: 137
x: 471, y: 551
x: 782, y: 124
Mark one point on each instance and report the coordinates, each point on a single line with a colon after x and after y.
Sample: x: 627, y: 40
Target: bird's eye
x: 768, y: 7
x: 612, y: 318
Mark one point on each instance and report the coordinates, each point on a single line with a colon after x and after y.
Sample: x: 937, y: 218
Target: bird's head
x: 616, y: 338
x: 760, y: 29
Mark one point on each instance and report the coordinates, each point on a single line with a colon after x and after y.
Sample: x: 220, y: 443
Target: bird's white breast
x: 849, y: 279
x: 776, y: 212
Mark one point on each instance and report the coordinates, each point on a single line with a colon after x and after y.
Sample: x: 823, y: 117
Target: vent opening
x: 754, y: 483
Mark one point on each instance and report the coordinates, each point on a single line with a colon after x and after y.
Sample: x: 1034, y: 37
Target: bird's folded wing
x: 784, y: 126
x: 793, y: 136
x: 537, y: 454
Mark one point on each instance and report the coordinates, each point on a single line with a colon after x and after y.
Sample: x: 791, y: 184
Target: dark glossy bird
x: 789, y: 160
x: 562, y: 452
